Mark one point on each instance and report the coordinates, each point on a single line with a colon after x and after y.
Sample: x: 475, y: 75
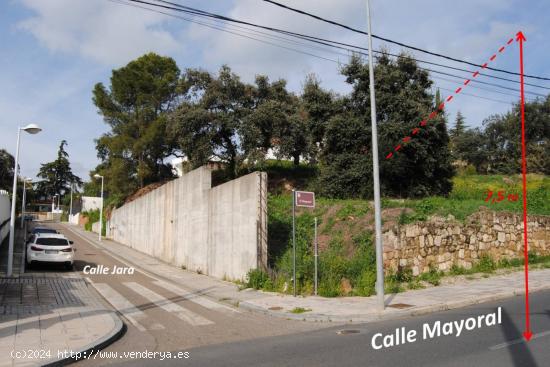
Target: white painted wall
x: 5, y: 208
x: 90, y: 203
x: 218, y: 231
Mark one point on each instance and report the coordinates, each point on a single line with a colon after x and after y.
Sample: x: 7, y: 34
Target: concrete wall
x: 444, y: 242
x: 90, y: 203
x: 5, y: 208
x: 220, y: 231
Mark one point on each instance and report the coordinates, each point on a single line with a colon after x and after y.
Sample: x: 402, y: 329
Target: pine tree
x: 460, y: 126
x: 57, y: 176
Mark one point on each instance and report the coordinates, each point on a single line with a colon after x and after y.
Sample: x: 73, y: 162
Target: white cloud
x: 103, y: 31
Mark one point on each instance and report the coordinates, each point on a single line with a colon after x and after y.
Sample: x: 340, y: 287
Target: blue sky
x: 54, y: 51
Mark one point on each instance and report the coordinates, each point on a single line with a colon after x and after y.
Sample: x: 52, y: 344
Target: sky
x: 53, y: 52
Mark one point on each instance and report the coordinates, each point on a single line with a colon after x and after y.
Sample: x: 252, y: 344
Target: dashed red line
x: 424, y: 122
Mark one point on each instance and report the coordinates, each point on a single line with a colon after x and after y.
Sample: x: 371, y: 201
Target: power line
x: 326, y: 42
x: 395, y: 42
x: 302, y: 44
x: 476, y: 96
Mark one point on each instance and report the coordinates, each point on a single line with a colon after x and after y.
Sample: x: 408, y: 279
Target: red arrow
x: 527, y: 333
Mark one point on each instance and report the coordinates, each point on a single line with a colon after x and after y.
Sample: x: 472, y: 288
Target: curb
x: 116, y: 333
x: 362, y: 318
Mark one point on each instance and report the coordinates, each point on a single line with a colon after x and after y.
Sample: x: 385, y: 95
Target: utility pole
x: 376, y: 176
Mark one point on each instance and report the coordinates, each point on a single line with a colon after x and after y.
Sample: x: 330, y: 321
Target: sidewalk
x: 46, y: 316
x: 342, y: 309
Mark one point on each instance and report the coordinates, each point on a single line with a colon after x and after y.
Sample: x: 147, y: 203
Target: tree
x: 6, y: 170
x: 223, y: 118
x: 459, y: 127
x: 423, y: 166
x: 57, y: 176
x: 320, y: 106
x: 135, y: 107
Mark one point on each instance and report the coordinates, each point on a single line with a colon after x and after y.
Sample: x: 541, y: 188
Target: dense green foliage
x: 6, y: 170
x: 135, y: 107
x: 57, y: 176
x: 496, y: 148
x: 422, y: 167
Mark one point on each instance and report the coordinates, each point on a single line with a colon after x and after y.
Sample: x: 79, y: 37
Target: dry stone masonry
x: 443, y: 242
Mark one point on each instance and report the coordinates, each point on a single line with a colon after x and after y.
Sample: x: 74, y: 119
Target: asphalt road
x: 163, y: 320
x: 162, y: 316
x: 479, y: 347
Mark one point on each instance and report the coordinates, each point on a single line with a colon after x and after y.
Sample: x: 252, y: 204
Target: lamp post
x: 23, y: 203
x: 31, y: 129
x: 376, y: 178
x: 101, y: 208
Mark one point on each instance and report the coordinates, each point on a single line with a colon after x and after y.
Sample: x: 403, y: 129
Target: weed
x: 486, y: 265
x: 299, y: 310
x: 257, y: 279
x: 432, y: 276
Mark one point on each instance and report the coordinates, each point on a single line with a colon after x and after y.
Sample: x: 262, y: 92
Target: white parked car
x: 50, y: 248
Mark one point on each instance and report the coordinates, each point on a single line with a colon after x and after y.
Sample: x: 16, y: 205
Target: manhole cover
x: 275, y: 308
x: 347, y: 331
x: 400, y: 305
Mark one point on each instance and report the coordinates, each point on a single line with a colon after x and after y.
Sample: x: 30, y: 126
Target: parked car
x: 36, y: 230
x: 50, y: 248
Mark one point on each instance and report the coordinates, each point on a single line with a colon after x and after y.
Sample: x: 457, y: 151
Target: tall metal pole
x: 101, y: 211
x: 13, y: 199
x: 316, y: 255
x: 376, y: 176
x: 71, y: 205
x: 294, y: 241
x: 23, y: 202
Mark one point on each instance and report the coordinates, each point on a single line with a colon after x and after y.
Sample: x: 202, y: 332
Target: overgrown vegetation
x: 93, y: 217
x: 347, y: 256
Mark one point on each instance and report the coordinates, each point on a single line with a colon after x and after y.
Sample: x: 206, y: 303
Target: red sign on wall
x: 305, y: 198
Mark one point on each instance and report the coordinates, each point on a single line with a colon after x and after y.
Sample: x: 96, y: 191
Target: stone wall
x: 220, y: 231
x: 444, y: 242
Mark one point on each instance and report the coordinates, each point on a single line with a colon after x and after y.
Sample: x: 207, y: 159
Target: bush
x: 257, y: 279
x: 486, y: 264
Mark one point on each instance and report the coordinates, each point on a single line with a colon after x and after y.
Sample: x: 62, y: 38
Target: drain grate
x: 275, y: 308
x: 400, y: 305
x: 347, y: 331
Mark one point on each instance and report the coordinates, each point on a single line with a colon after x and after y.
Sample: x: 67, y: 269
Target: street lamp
x: 31, y: 129
x: 101, y: 208
x: 25, y: 180
x: 376, y: 177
